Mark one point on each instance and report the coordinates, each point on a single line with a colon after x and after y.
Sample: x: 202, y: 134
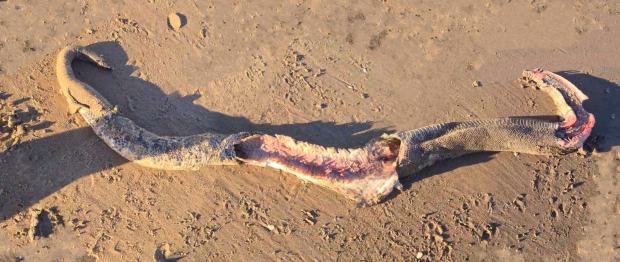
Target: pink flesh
x: 368, y: 174
x: 577, y: 123
x: 364, y: 174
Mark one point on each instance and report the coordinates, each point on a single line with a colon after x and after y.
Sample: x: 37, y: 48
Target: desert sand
x: 334, y: 73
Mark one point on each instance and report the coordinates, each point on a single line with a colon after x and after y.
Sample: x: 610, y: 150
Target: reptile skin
x: 366, y: 174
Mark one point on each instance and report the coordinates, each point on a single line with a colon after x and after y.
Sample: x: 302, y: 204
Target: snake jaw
x: 577, y: 123
x: 365, y: 175
x: 576, y: 135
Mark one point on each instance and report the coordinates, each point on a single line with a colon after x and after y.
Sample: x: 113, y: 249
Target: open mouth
x: 577, y: 123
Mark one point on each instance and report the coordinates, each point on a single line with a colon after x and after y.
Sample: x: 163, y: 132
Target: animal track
x: 15, y: 122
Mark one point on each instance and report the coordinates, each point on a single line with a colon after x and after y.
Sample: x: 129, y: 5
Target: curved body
x: 366, y: 174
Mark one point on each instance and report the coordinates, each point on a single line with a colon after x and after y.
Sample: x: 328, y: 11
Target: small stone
x: 419, y: 255
x: 607, y: 90
x: 477, y: 83
x: 175, y: 21
x: 613, y: 116
x: 364, y: 95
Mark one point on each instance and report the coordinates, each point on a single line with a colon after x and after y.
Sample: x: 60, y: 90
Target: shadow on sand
x: 603, y: 102
x: 35, y: 169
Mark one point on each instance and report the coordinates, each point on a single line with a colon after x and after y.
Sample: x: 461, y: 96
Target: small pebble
x: 613, y: 116
x: 174, y: 21
x: 477, y: 83
x: 419, y: 255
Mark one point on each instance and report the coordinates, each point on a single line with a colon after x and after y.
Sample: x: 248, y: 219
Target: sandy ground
x: 332, y: 73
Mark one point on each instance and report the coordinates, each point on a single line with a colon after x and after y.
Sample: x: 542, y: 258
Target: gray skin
x: 423, y: 147
x: 130, y: 140
x: 414, y: 149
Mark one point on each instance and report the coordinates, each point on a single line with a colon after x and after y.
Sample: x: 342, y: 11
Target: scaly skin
x: 131, y: 141
x: 366, y: 174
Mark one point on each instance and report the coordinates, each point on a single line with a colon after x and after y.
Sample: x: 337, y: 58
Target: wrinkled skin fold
x: 366, y: 174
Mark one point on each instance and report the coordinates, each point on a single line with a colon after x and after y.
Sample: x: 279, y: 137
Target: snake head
x: 577, y: 123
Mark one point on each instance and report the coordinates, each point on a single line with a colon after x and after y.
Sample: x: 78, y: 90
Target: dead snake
x: 366, y: 174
